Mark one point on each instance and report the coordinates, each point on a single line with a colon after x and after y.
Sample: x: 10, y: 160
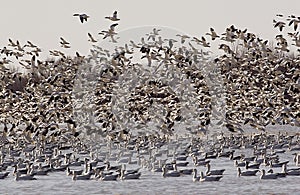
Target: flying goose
x: 294, y: 20
x: 213, y: 34
x: 279, y: 24
x: 82, y: 17
x: 182, y: 38
x: 114, y: 17
x: 91, y: 38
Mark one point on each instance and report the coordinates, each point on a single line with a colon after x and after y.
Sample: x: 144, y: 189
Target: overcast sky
x: 43, y: 22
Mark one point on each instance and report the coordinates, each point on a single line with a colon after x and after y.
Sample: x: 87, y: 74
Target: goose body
x: 213, y: 172
x: 129, y: 176
x: 111, y: 177
x: 4, y: 175
x: 114, y: 17
x: 251, y: 166
x: 81, y: 177
x: 267, y: 176
x: 77, y: 172
x: 246, y: 173
x: 25, y: 177
x: 82, y: 17
x: 209, y: 178
x: 165, y: 173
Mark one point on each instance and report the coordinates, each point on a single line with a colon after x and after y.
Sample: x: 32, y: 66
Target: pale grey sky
x: 43, y: 22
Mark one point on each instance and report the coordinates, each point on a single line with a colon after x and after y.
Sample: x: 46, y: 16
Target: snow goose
x: 114, y: 17
x: 82, y: 17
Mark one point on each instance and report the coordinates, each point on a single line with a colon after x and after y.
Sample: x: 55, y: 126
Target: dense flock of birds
x: 51, y: 108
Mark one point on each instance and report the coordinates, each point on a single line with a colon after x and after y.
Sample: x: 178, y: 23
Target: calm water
x: 154, y: 183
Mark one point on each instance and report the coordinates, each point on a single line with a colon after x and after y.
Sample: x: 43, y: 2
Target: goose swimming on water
x: 209, y: 178
x: 252, y: 166
x: 4, y: 175
x: 81, y: 177
x: 25, y: 177
x: 107, y: 177
x: 268, y: 176
x: 246, y: 173
x: 129, y: 176
x: 213, y: 172
x: 169, y: 174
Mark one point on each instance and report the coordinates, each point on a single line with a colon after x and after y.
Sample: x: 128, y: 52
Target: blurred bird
x: 91, y: 38
x: 82, y: 17
x: 213, y: 34
x: 114, y: 17
x: 279, y: 24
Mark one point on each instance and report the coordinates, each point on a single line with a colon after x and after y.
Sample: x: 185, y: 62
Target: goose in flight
x: 294, y: 21
x: 279, y: 24
x: 64, y: 43
x: 30, y: 44
x: 110, y: 32
x: 112, y: 27
x: 114, y: 17
x: 213, y: 34
x: 91, y: 38
x: 11, y: 43
x: 82, y: 17
x: 202, y: 42
x: 182, y: 38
